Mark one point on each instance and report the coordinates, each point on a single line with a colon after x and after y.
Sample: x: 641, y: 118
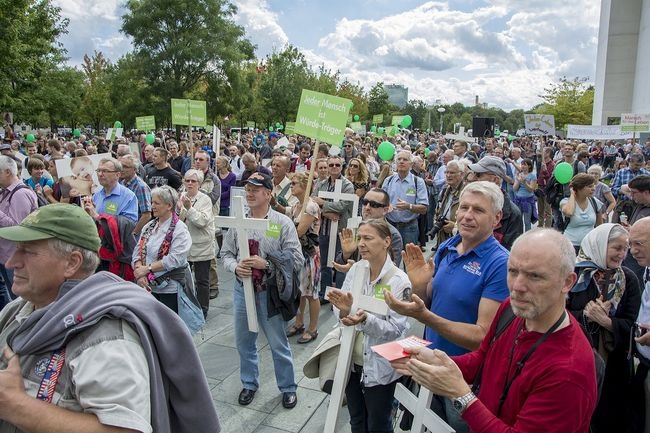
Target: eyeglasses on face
x: 334, y: 165
x: 372, y: 203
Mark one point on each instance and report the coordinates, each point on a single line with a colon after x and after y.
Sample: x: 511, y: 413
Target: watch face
x: 458, y: 405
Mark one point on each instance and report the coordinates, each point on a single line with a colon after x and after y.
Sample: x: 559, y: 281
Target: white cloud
x: 506, y: 52
x: 261, y: 25
x: 82, y: 9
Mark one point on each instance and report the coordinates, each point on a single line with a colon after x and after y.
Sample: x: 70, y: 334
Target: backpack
x: 504, y: 320
x: 39, y: 199
x: 564, y: 222
x: 555, y: 191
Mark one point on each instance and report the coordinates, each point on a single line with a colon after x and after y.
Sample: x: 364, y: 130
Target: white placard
x: 597, y: 132
x: 539, y: 124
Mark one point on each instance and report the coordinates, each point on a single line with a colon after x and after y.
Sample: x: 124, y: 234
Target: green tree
x: 96, y: 106
x: 357, y: 95
x: 60, y: 93
x: 29, y: 49
x: 418, y: 111
x: 569, y: 101
x: 378, y: 100
x: 185, y: 46
x: 287, y: 73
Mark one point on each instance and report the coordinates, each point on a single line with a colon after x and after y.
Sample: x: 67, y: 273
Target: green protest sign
x: 250, y: 125
x: 396, y: 120
x: 145, y: 123
x: 378, y: 119
x: 189, y: 112
x: 290, y: 128
x: 356, y: 126
x: 322, y: 117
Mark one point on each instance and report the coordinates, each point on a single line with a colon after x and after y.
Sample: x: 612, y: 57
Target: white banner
x: 539, y: 124
x: 597, y: 132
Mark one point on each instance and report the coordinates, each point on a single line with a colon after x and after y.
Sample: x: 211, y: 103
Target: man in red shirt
x: 555, y: 389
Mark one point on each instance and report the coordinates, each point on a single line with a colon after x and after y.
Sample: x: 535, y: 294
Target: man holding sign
x: 280, y: 235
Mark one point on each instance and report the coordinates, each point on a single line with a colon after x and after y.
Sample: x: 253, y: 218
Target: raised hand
x: 349, y: 242
x: 418, y: 270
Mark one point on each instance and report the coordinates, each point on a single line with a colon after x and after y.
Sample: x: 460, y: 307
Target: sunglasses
x: 348, y: 145
x: 372, y: 203
x: 335, y: 165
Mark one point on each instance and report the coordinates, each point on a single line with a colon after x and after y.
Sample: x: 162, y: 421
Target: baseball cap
x: 274, y: 134
x: 260, y: 179
x: 490, y: 164
x: 63, y: 221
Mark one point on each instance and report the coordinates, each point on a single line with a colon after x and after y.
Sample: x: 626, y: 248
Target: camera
x: 437, y: 226
x: 639, y: 330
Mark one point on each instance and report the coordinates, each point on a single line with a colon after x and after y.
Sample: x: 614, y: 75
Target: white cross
x: 353, y: 222
x: 419, y: 406
x: 239, y: 222
x: 368, y: 304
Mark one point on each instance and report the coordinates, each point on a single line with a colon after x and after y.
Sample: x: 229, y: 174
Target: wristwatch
x: 461, y: 403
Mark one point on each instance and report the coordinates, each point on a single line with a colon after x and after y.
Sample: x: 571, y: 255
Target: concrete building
x: 397, y: 94
x: 623, y: 63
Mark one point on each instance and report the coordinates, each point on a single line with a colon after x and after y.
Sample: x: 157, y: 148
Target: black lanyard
x: 522, y: 361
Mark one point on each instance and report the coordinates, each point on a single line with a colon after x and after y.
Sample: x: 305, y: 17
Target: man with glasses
x: 625, y: 176
x: 133, y: 182
x: 339, y: 211
x: 349, y: 151
x: 112, y: 197
x: 374, y: 205
x: 408, y: 196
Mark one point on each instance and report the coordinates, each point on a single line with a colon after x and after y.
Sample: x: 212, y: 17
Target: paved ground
x: 216, y: 346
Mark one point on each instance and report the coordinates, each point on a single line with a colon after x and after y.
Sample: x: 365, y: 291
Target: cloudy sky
x: 505, y: 51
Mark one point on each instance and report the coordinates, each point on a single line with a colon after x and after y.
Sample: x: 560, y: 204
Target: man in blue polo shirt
x: 469, y: 282
x: 112, y: 197
x: 408, y: 196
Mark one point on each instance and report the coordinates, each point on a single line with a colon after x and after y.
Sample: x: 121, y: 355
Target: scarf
x: 591, y: 264
x: 166, y: 243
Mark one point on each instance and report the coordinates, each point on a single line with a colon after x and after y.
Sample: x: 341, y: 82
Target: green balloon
x: 373, y: 128
x: 380, y: 130
x: 30, y: 138
x: 563, y: 173
x: 270, y: 129
x: 278, y: 124
x: 150, y: 138
x: 427, y: 151
x: 356, y: 117
x: 406, y: 121
x: 511, y: 137
x: 76, y: 132
x: 386, y: 151
x: 117, y: 124
x: 497, y: 133
x: 280, y: 128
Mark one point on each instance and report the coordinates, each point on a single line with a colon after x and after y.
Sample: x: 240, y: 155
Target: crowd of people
x: 561, y: 263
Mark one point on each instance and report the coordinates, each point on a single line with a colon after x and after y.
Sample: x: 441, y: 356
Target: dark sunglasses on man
x: 372, y: 203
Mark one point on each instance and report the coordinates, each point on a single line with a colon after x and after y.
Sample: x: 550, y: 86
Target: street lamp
x: 441, y: 110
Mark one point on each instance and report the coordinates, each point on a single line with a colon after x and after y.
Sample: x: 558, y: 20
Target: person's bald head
x: 640, y: 241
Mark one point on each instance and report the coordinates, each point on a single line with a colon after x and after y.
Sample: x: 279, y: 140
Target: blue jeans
x: 274, y: 330
x: 410, y: 232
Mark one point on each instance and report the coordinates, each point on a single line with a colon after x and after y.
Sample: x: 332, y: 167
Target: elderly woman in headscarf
x: 606, y: 300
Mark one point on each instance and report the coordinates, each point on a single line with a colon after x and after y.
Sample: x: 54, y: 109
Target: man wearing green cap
x: 90, y: 352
